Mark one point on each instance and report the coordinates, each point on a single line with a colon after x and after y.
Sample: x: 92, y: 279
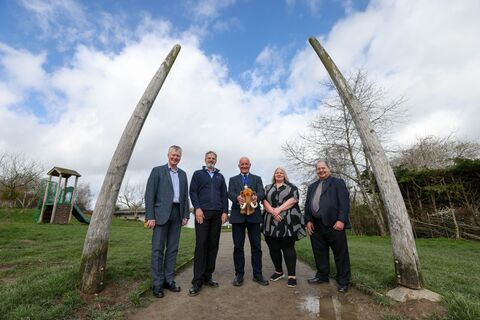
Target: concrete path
x: 253, y: 301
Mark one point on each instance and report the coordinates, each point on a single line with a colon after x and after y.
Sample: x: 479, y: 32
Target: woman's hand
x: 277, y: 214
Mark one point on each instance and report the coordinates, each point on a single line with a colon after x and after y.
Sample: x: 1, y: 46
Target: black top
x: 292, y: 224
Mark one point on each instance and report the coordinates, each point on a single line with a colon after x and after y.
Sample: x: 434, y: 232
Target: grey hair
x: 175, y: 148
x: 210, y: 152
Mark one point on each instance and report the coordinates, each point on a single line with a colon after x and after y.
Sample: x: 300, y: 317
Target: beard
x: 211, y: 166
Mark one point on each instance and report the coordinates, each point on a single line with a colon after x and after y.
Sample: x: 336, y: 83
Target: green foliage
x: 432, y: 197
x: 448, y: 186
x: 449, y: 267
x: 39, y: 264
x: 362, y: 221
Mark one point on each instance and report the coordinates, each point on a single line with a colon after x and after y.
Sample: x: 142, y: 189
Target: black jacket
x: 334, y: 202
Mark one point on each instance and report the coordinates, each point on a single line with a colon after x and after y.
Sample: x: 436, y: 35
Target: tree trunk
x: 376, y: 205
x: 377, y: 215
x: 407, y: 265
x: 94, y: 256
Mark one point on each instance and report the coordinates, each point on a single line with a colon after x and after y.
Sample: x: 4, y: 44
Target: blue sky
x: 246, y: 79
x: 237, y: 31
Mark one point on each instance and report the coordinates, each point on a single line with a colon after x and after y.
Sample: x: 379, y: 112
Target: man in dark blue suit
x: 241, y: 222
x: 166, y: 210
x: 326, y: 216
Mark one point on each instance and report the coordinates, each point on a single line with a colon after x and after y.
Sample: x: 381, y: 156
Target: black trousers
x: 207, y: 237
x: 324, y: 238
x: 238, y: 234
x: 286, y: 245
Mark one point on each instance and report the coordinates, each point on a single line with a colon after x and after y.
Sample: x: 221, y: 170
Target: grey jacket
x: 159, y: 195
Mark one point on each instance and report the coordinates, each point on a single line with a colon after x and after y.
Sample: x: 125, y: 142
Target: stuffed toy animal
x: 249, y: 206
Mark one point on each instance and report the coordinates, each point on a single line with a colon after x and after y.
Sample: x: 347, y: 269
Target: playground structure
x: 56, y: 203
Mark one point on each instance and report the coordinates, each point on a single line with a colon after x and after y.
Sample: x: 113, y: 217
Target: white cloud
x: 200, y: 108
x: 208, y: 9
x: 426, y: 51
x: 59, y: 19
x: 269, y: 68
x: 23, y: 69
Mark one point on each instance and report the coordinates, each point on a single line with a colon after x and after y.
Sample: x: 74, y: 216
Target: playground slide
x: 78, y: 214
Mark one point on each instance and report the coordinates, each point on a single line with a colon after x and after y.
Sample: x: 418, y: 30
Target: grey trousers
x: 165, y: 240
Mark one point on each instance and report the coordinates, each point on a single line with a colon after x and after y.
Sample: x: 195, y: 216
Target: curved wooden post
x: 47, y: 188
x: 55, y: 201
x: 407, y: 266
x: 94, y: 256
x: 74, y: 194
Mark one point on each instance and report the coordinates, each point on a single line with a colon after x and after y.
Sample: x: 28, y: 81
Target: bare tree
x: 433, y: 152
x: 132, y: 196
x: 84, y: 197
x: 19, y: 179
x: 332, y: 136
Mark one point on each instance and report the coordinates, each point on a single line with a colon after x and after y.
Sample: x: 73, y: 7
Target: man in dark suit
x: 241, y: 222
x: 208, y: 192
x: 166, y: 210
x: 326, y: 215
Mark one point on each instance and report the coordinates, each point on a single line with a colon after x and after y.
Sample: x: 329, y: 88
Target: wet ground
x: 253, y: 301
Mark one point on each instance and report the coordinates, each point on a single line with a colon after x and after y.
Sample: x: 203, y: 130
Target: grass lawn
x: 449, y: 267
x: 39, y: 266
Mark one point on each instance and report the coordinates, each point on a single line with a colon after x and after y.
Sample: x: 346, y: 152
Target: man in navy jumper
x: 208, y: 193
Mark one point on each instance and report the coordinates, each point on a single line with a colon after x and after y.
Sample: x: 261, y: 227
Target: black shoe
x: 194, y: 290
x: 172, y: 286
x: 261, y: 280
x: 158, y: 292
x: 317, y: 280
x: 343, y: 289
x: 238, y: 281
x: 277, y: 276
x: 211, y: 283
x: 291, y: 282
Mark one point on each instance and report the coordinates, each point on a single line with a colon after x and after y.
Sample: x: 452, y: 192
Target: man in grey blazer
x: 241, y: 222
x: 166, y: 210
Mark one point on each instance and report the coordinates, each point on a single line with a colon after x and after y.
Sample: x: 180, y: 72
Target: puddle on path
x: 311, y: 305
x: 327, y: 307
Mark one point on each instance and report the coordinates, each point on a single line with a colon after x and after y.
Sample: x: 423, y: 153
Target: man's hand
x: 224, y: 217
x: 339, y: 225
x: 150, y: 224
x: 310, y: 228
x: 184, y: 221
x: 199, y: 215
x: 240, y: 200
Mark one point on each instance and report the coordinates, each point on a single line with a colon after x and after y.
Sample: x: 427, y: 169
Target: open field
x: 39, y: 265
